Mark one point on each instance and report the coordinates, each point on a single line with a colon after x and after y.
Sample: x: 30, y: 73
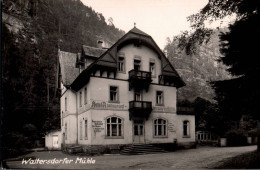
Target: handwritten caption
x: 78, y: 160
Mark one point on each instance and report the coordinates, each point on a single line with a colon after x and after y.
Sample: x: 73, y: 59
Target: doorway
x: 138, y: 129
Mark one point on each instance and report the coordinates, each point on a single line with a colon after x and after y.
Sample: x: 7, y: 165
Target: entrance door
x: 55, y: 141
x: 138, y: 129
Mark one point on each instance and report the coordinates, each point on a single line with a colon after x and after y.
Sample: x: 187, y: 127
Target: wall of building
x: 145, y: 54
x: 179, y: 125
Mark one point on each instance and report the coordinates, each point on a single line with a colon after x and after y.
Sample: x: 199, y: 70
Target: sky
x: 158, y: 18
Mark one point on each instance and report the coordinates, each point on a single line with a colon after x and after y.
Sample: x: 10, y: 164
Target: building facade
x: 125, y: 94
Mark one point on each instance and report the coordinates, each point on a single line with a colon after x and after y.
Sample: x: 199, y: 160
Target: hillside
x: 198, y: 69
x: 32, y: 31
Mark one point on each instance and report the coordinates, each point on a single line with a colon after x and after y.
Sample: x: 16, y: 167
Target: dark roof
x: 68, y: 69
x: 137, y: 31
x: 92, y: 51
x: 108, y: 58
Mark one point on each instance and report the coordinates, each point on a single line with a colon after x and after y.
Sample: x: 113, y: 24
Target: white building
x: 122, y: 95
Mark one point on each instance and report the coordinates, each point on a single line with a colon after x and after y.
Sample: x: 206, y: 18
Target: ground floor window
x: 113, y: 127
x: 86, y: 129
x: 160, y: 127
x: 186, y: 128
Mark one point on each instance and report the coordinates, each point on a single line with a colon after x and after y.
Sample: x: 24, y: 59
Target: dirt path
x: 202, y: 157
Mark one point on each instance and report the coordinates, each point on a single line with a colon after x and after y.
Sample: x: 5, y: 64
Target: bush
x: 236, y: 139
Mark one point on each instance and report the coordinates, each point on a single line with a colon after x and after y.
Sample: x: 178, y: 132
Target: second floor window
x: 159, y: 97
x: 121, y: 64
x: 114, y: 94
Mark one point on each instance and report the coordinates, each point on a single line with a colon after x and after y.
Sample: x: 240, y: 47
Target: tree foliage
x: 30, y: 63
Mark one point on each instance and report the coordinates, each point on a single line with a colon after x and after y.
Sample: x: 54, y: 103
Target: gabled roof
x: 92, y: 51
x: 68, y: 68
x: 137, y: 31
x: 109, y: 60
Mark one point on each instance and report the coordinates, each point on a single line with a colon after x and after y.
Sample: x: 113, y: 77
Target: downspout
x: 77, y: 117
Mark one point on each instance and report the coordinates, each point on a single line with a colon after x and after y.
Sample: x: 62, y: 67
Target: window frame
x: 86, y: 129
x: 117, y: 94
x: 66, y: 130
x: 121, y: 55
x: 162, y: 99
x: 154, y: 67
x: 117, y: 127
x: 140, y: 62
x: 80, y: 130
x: 66, y: 104
x: 187, y: 129
x: 85, y: 95
x: 80, y: 99
x: 164, y: 127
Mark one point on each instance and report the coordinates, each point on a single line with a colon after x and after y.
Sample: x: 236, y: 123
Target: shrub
x: 236, y: 138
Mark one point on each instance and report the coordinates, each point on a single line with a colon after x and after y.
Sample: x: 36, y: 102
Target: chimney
x: 100, y: 44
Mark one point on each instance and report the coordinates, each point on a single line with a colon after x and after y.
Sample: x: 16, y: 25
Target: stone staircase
x: 139, y: 149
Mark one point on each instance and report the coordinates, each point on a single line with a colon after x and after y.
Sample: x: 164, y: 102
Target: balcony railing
x: 139, y: 79
x: 140, y: 109
x: 137, y: 74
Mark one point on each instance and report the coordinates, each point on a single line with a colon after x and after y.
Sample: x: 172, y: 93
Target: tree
x: 239, y: 95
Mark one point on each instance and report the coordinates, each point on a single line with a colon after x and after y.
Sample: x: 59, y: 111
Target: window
x: 152, y: 68
x: 66, y: 131
x: 80, y: 99
x: 66, y: 103
x: 159, y: 97
x: 85, y: 96
x: 86, y: 129
x: 186, y: 128
x: 113, y: 94
x: 121, y: 64
x: 138, y: 96
x: 114, y: 127
x: 80, y: 130
x: 137, y: 64
x: 160, y: 127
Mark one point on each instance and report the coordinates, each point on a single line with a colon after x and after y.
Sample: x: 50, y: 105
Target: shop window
x: 159, y: 98
x: 121, y: 64
x: 113, y: 94
x: 160, y: 128
x: 186, y: 128
x: 114, y: 127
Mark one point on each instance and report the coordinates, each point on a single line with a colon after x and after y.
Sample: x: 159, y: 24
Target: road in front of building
x: 201, y: 157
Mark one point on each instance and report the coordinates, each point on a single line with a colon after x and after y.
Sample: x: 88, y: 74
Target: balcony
x: 139, y: 79
x: 171, y: 80
x: 140, y: 109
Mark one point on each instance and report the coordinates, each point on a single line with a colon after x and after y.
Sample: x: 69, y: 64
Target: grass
x: 245, y: 161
